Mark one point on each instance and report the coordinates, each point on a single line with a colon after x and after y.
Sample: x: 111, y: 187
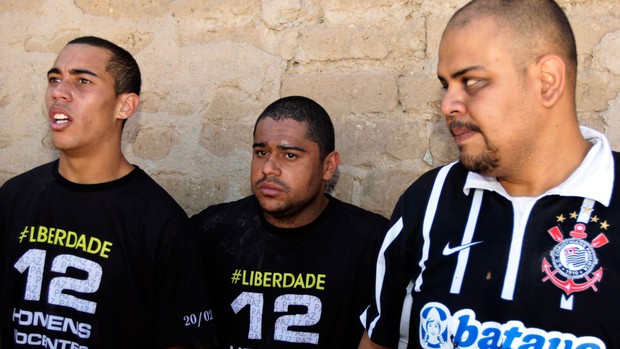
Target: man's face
x: 288, y: 176
x: 487, y: 103
x: 81, y: 101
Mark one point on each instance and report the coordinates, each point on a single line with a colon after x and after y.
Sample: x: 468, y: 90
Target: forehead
x: 281, y: 131
x: 82, y: 56
x: 480, y: 43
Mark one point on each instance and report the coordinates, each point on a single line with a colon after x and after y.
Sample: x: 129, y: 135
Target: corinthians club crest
x: 573, y: 264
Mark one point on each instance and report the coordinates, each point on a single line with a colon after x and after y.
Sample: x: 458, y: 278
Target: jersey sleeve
x: 382, y: 319
x: 398, y: 264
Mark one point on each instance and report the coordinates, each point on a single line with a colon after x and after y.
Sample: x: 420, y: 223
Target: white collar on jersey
x: 593, y: 179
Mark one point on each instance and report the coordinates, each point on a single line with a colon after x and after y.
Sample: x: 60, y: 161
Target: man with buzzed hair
x: 513, y: 245
x: 93, y: 252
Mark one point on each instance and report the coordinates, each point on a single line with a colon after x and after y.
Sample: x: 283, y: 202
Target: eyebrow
x: 463, y: 71
x: 281, y: 147
x: 73, y: 72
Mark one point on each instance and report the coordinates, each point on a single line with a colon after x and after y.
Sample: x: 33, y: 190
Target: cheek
x: 48, y: 98
x: 255, y: 170
x: 492, y: 113
x: 311, y: 177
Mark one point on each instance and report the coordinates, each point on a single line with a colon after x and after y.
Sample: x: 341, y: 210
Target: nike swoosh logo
x: 450, y: 250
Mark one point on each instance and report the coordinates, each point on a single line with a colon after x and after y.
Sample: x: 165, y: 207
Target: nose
x: 271, y: 167
x: 453, y: 102
x: 60, y: 90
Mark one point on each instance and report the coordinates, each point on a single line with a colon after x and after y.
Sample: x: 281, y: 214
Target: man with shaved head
x: 512, y: 246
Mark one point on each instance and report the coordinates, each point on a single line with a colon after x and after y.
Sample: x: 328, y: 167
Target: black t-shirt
x: 290, y: 288
x: 106, y: 265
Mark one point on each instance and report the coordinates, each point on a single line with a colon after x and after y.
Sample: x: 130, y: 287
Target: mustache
x: 273, y: 181
x: 461, y: 124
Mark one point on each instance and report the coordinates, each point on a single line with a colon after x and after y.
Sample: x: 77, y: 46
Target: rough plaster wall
x: 211, y: 66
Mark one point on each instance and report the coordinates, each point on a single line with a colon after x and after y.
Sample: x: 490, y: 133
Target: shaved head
x: 535, y: 28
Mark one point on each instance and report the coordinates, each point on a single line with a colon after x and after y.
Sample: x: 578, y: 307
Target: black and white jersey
x: 290, y: 288
x: 464, y: 265
x: 97, y: 266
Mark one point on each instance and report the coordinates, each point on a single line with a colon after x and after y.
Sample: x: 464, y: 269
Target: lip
x: 461, y: 134
x: 269, y: 189
x: 56, y: 124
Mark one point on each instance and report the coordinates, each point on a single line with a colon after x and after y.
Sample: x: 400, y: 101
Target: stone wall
x: 211, y: 66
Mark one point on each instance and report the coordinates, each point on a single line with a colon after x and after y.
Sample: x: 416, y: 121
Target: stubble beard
x: 286, y: 214
x: 293, y: 211
x: 275, y: 208
x: 485, y: 163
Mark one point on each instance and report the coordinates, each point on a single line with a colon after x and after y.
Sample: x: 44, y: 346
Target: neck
x: 93, y: 171
x: 304, y: 216
x: 548, y: 167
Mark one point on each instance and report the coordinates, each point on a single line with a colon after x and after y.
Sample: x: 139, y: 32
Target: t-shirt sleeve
x: 184, y: 308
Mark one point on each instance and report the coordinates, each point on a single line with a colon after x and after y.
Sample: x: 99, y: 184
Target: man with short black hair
x: 291, y: 262
x: 94, y: 253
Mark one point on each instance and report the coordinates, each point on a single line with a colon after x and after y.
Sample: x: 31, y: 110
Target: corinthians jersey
x: 465, y: 265
x: 290, y: 288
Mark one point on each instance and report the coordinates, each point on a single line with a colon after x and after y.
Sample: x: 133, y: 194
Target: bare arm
x: 366, y: 343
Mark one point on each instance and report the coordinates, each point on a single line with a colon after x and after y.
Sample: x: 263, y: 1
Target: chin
x: 269, y: 205
x: 61, y: 143
x: 484, y: 163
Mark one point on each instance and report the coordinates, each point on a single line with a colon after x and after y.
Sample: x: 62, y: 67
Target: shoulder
x: 356, y: 218
x: 30, y: 179
x: 226, y: 213
x: 41, y: 172
x: 420, y: 189
x: 616, y: 156
x: 616, y: 170
x: 140, y: 196
x: 356, y: 212
x: 447, y: 181
x: 616, y: 187
x: 145, y: 187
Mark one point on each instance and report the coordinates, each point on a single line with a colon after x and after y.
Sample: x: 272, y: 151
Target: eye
x: 444, y: 84
x: 290, y: 156
x: 260, y: 153
x: 474, y: 85
x: 470, y: 81
x: 53, y: 80
x: 84, y: 81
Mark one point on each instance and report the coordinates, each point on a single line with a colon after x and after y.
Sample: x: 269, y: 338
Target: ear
x: 129, y: 103
x: 330, y: 165
x: 552, y: 74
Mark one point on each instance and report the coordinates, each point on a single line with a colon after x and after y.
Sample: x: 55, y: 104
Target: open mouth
x: 60, y: 119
